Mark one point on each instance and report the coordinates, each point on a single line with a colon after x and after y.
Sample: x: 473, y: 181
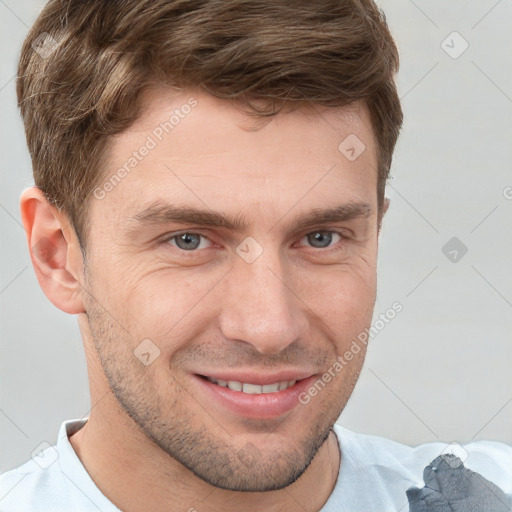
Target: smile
x: 270, y: 398
x: 253, y: 389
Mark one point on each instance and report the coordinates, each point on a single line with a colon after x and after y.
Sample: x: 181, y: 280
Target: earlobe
x: 385, y: 207
x: 54, y: 251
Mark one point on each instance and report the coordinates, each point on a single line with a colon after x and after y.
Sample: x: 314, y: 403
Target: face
x: 237, y: 251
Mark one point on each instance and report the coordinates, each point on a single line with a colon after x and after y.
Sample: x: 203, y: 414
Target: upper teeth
x: 253, y: 389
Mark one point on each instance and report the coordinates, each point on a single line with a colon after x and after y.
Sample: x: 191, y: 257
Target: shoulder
x: 53, y: 479
x: 492, y: 459
x: 33, y: 486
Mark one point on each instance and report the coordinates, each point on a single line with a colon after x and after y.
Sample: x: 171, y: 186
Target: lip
x: 262, y: 406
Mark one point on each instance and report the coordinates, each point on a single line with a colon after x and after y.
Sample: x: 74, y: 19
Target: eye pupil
x: 320, y: 238
x: 188, y: 241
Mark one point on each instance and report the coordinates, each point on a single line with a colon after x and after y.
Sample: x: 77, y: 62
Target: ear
x: 385, y: 207
x: 54, y: 251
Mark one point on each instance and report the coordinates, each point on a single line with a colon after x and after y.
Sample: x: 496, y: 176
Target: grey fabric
x: 451, y: 487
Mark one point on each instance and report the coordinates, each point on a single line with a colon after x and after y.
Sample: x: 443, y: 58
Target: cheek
x: 342, y: 297
x: 169, y: 306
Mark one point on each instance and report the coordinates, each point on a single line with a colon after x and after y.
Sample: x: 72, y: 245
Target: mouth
x: 250, y: 388
x: 249, y: 397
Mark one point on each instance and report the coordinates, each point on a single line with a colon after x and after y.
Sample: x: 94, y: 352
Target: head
x: 210, y: 184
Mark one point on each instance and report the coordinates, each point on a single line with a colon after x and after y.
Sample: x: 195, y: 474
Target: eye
x: 189, y: 241
x: 322, y: 239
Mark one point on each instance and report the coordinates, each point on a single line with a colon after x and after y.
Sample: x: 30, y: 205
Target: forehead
x: 190, y: 147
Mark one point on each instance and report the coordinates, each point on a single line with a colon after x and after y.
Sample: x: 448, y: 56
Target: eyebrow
x: 159, y: 213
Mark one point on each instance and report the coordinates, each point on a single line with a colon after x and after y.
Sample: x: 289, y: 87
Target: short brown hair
x: 84, y: 65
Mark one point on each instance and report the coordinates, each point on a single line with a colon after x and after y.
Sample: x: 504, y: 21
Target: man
x: 210, y: 182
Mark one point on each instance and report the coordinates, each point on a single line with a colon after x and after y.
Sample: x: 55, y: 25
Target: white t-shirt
x: 374, y: 474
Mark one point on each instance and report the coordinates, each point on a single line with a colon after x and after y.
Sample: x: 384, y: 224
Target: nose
x: 259, y: 306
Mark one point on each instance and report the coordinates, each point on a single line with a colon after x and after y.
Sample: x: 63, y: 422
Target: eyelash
x: 168, y: 238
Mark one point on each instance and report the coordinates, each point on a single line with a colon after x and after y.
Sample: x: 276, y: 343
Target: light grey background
x: 441, y: 369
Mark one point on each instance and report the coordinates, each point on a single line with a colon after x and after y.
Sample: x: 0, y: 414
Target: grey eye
x: 187, y: 241
x: 321, y: 239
